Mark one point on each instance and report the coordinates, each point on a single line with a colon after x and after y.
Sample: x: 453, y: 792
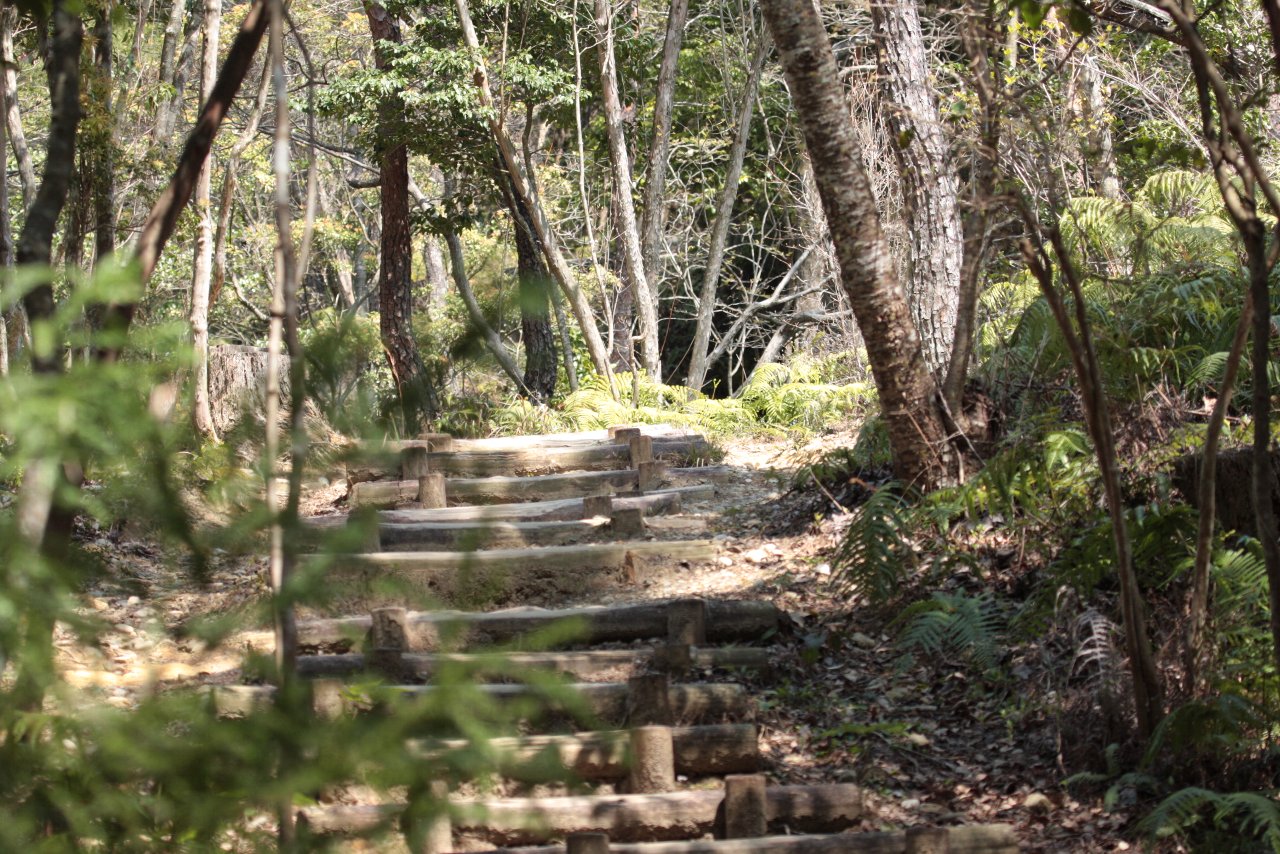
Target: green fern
x: 954, y: 627
x: 1253, y: 815
x: 875, y: 555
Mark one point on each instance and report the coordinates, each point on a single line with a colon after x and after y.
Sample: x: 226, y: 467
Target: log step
x: 966, y: 839
x: 697, y: 751
x: 665, y: 816
x: 610, y: 702
x: 582, y: 665
x: 541, y: 461
x: 576, y: 439
x: 727, y: 621
x: 425, y: 567
x: 654, y: 503
x: 399, y: 536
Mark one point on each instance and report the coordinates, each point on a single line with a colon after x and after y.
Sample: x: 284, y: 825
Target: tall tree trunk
x: 170, y: 109
x: 980, y: 34
x: 139, y: 30
x: 395, y: 280
x: 103, y: 172
x: 201, y: 277
x: 653, y: 206
x: 1101, y: 162
x: 646, y: 299
x: 535, y: 309
x: 698, y: 362
x: 511, y: 163
x: 922, y: 456
x: 492, y: 340
x: 9, y: 333
x: 13, y: 113
x: 50, y: 534
x: 929, y: 181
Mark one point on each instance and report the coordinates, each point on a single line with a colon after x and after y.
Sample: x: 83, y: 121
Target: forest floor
x: 936, y: 744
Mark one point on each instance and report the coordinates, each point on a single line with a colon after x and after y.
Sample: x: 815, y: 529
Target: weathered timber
x: 967, y: 839
x: 553, y: 440
x: 603, y: 701
x: 746, y: 814
x: 727, y: 621
x: 653, y: 761
x: 428, y: 566
x: 430, y: 536
x: 586, y: 665
x: 500, y: 490
x: 655, y: 503
x: 536, y: 461
x: 670, y: 815
x: 698, y: 751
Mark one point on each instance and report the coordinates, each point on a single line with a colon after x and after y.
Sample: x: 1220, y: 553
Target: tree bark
x: 491, y: 339
x: 170, y: 108
x: 698, y: 357
x: 535, y: 308
x: 929, y: 182
x: 104, y: 162
x: 395, y: 279
x: 923, y: 458
x: 646, y: 299
x: 653, y: 206
x: 13, y: 113
x: 1101, y: 162
x: 201, y: 279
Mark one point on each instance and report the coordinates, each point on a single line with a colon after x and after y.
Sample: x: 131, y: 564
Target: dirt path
x: 934, y: 747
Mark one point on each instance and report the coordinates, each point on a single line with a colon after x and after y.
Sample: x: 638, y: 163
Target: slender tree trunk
x: 979, y: 34
x: 492, y: 340
x: 1101, y: 162
x: 139, y: 30
x: 646, y: 299
x: 698, y: 362
x: 929, y: 182
x: 653, y: 207
x: 395, y: 281
x: 103, y: 171
x: 170, y: 110
x: 13, y: 114
x: 50, y: 534
x: 923, y: 457
x: 540, y: 357
x: 8, y: 327
x: 229, y: 180
x: 201, y: 279
x: 506, y: 150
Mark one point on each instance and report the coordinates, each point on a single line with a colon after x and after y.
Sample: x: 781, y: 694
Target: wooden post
x: 432, y: 490
x: 414, y: 462
x: 586, y: 843
x: 389, y: 638
x: 326, y: 698
x: 687, y: 622
x: 653, y: 762
x: 650, y: 475
x: 439, y: 442
x: 627, y: 522
x: 435, y: 835
x: 641, y: 450
x: 623, y: 433
x: 649, y: 700
x: 597, y: 505
x: 745, y: 808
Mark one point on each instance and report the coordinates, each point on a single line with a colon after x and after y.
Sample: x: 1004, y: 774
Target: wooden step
x: 609, y: 702
x: 966, y: 839
x: 669, y: 815
x: 727, y: 621
x: 424, y: 567
x: 585, y: 665
x: 468, y: 536
x: 658, y: 502
x: 540, y: 461
x: 697, y: 751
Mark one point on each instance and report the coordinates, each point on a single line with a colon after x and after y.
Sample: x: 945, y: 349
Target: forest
x: 396, y: 397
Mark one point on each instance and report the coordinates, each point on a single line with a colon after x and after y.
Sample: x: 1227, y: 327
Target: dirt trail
x: 935, y: 748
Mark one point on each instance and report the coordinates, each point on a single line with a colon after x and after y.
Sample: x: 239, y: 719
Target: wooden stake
x: 326, y: 698
x: 687, y: 622
x: 371, y: 539
x: 439, y: 442
x: 641, y: 450
x: 653, y: 767
x: 627, y: 522
x: 650, y: 475
x: 649, y: 700
x: 414, y: 462
x: 745, y: 808
x: 432, y: 491
x: 597, y: 505
x: 622, y: 434
x: 928, y: 840
x: 435, y: 835
x: 389, y: 638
